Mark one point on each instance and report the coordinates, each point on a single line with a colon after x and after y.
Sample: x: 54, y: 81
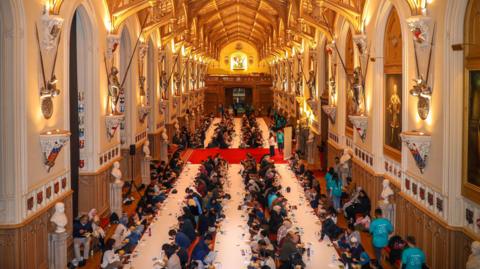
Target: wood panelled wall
x: 446, y: 247
x: 25, y: 246
x: 216, y: 85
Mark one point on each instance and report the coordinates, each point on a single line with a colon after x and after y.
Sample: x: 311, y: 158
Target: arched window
x: 349, y: 65
x: 471, y: 138
x: 392, y: 53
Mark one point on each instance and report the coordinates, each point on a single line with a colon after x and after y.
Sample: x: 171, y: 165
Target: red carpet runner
x: 232, y: 155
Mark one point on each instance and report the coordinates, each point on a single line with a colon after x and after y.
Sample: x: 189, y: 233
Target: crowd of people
x: 88, y: 229
x: 185, y: 139
x: 193, y: 239
x: 353, y: 202
x: 251, y: 132
x: 275, y: 242
x: 223, y: 133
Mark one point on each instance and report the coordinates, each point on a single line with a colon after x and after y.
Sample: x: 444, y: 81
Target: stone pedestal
x: 388, y: 210
x: 116, y: 198
x: 164, y: 151
x: 57, y: 250
x: 146, y: 170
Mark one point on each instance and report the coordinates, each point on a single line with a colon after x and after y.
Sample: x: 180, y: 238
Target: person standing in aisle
x: 271, y: 142
x: 280, y: 141
x: 412, y: 257
x: 380, y: 228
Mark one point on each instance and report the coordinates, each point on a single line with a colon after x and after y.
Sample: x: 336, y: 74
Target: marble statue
x: 146, y: 148
x: 164, y: 147
x: 117, y: 173
x: 474, y: 258
x: 59, y: 218
x: 344, y: 168
x: 385, y: 204
x: 386, y: 192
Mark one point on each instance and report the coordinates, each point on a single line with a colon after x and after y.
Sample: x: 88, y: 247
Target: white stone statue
x: 387, y: 207
x: 474, y: 258
x: 146, y: 149
x: 164, y: 136
x: 117, y: 173
x: 59, y: 218
x: 386, y: 192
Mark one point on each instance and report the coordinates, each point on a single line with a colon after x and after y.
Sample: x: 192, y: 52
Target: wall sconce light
x: 51, y: 143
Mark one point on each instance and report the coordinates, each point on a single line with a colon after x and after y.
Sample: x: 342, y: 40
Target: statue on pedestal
x: 146, y: 149
x: 117, y: 173
x: 385, y: 204
x: 474, y: 258
x: 59, y: 218
x: 164, y: 147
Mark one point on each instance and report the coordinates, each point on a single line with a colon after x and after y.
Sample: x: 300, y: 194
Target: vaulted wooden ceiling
x: 209, y: 25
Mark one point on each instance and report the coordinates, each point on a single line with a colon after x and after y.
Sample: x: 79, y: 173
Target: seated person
x: 180, y: 238
x: 82, y: 229
x: 110, y: 259
x: 345, y: 239
x: 329, y: 226
x: 202, y: 248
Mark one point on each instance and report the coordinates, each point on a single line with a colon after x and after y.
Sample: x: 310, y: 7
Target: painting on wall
x: 393, y: 111
x: 238, y: 61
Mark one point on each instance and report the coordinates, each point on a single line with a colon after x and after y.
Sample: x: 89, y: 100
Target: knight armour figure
x: 311, y: 83
x: 142, y: 85
x: 113, y: 89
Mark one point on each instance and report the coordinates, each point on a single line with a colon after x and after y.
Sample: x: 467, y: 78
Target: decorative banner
x: 51, y: 143
x: 331, y: 112
x: 143, y: 112
x: 419, y: 145
x: 112, y: 122
x: 360, y: 123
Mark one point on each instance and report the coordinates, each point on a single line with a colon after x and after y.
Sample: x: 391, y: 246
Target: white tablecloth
x: 265, y: 131
x: 232, y: 239
x: 150, y: 247
x: 322, y: 255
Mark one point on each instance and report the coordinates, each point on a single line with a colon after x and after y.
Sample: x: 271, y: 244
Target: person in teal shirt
x: 280, y: 141
x: 336, y: 191
x: 412, y: 257
x: 328, y: 179
x: 380, y: 228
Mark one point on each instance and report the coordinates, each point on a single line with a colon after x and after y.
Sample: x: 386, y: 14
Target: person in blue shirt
x: 181, y: 239
x: 336, y: 191
x: 380, y: 229
x: 412, y: 257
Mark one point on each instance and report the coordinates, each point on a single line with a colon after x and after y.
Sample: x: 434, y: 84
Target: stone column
x: 57, y: 250
x: 146, y: 170
x: 116, y: 198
